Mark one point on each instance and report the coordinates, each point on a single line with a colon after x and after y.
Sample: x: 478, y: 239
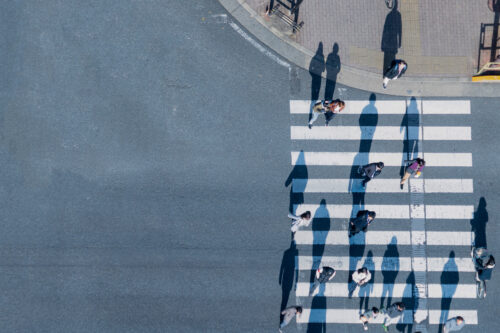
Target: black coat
x: 371, y: 170
x: 361, y: 222
x: 393, y: 72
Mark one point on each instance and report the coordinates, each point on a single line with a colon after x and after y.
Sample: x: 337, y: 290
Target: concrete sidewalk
x: 440, y: 40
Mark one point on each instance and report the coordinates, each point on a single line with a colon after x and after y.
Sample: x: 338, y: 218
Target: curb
x: 354, y: 77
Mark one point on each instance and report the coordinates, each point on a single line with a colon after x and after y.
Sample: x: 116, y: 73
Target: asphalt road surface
x: 146, y: 156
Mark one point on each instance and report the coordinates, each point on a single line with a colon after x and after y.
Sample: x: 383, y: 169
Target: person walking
x: 484, y: 263
x: 398, y: 67
x: 393, y: 314
x: 288, y: 315
x: 370, y: 171
x: 367, y: 316
x: 322, y: 275
x: 416, y: 166
x: 326, y: 107
x: 361, y: 222
x: 359, y: 278
x: 454, y: 324
x: 300, y: 221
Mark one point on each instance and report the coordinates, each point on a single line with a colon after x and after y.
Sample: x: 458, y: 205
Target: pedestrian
x: 454, y: 324
x: 361, y: 222
x: 370, y: 171
x: 300, y: 221
x: 359, y: 278
x: 288, y: 315
x: 484, y: 263
x: 367, y: 316
x: 328, y: 108
x: 416, y: 166
x: 393, y: 314
x: 322, y: 275
x: 398, y: 67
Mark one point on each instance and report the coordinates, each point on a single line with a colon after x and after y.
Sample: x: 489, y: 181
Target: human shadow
x: 391, y: 36
x: 316, y: 68
x: 320, y: 228
x: 299, y: 171
x: 366, y: 290
x: 288, y: 270
x: 449, y: 283
x: 478, y: 224
x: 410, y: 125
x: 390, y: 269
x: 410, y: 303
x: 367, y: 122
x: 317, y: 318
x: 332, y: 70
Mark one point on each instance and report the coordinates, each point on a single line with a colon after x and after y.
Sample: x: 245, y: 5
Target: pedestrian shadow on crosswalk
x: 320, y: 228
x: 390, y: 269
x: 299, y: 171
x: 411, y: 304
x: 317, y: 319
x: 288, y: 271
x: 478, y: 224
x: 410, y: 125
x: 449, y: 282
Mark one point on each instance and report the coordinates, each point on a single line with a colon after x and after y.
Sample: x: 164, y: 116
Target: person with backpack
x: 322, y: 275
x: 367, y: 316
x: 300, y: 221
x: 393, y: 314
x: 415, y: 167
x: 359, y: 278
x: 288, y: 315
x: 370, y: 171
x: 363, y: 219
x: 454, y: 324
x: 398, y: 67
x: 324, y: 107
x: 484, y: 263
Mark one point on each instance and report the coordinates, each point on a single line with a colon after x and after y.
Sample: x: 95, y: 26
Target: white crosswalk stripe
x: 449, y: 150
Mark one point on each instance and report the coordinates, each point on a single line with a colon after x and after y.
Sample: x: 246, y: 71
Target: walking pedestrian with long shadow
x: 299, y: 171
x: 449, y: 283
x: 320, y: 229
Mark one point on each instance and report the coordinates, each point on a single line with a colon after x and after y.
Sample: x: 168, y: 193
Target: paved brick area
x: 435, y: 37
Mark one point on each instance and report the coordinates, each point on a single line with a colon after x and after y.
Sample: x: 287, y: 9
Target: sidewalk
x: 440, y: 40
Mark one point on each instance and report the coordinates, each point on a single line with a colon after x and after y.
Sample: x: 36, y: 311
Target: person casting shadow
x: 410, y: 124
x: 390, y: 269
x: 320, y: 228
x: 449, y: 282
x: 299, y: 171
x: 317, y: 318
x: 391, y: 36
x: 478, y: 224
x: 366, y: 290
x: 332, y: 70
x: 287, y: 272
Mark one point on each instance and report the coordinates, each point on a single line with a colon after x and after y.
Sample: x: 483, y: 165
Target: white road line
x: 435, y: 133
x: 351, y: 316
x: 389, y: 107
x: 378, y: 185
x: 457, y: 212
x: 403, y: 264
x: 446, y: 107
x: 389, y: 159
x: 308, y: 237
x: 399, y: 290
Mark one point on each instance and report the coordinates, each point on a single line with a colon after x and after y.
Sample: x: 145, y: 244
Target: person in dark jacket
x: 393, y: 314
x: 323, y: 275
x: 484, y: 263
x: 398, y: 67
x: 370, y: 171
x: 361, y: 222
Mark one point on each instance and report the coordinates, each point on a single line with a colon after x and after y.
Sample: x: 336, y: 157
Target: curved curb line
x: 353, y: 77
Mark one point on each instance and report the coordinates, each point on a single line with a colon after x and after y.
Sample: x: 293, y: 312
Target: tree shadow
x: 288, y: 270
x: 449, y: 282
x: 391, y: 36
x: 367, y: 121
x: 410, y: 124
x: 299, y: 171
x: 478, y: 224
x: 410, y: 303
x: 316, y: 68
x: 366, y: 290
x: 332, y: 70
x: 390, y: 269
x: 320, y: 228
x: 317, y: 318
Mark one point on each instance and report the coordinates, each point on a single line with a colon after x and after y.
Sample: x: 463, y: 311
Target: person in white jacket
x: 300, y: 221
x: 359, y: 278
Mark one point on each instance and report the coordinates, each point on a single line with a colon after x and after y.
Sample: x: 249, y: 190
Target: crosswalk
x: 418, y: 249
